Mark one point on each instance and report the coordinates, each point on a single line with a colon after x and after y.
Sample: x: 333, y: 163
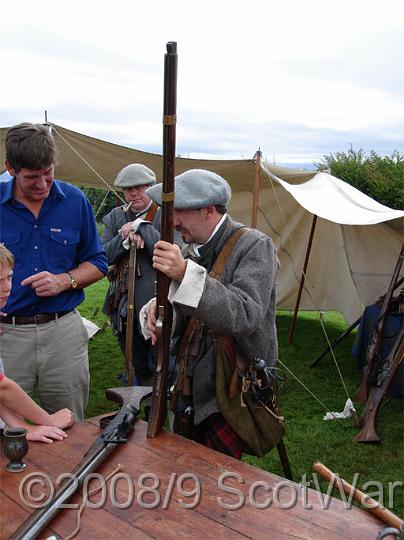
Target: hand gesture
x: 47, y: 284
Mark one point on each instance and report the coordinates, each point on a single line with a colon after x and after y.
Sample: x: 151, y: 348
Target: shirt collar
x: 8, y: 193
x: 196, y: 247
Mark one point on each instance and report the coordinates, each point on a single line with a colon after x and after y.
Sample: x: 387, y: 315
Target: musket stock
x: 116, y: 432
x: 373, y: 350
x: 389, y: 369
x: 158, y: 410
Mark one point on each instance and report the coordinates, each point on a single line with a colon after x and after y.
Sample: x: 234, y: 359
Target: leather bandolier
x: 119, y: 273
x: 190, y: 342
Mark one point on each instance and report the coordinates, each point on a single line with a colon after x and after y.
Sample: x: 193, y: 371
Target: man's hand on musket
x: 47, y: 284
x: 137, y: 240
x: 167, y: 258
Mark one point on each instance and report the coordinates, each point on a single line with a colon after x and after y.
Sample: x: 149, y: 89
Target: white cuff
x: 143, y: 318
x: 189, y: 291
x: 136, y: 224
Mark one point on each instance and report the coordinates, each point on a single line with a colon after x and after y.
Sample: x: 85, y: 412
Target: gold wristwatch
x: 73, y: 282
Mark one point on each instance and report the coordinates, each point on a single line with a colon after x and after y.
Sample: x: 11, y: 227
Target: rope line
x: 86, y: 497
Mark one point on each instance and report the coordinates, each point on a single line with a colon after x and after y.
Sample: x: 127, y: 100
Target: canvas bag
x: 258, y: 425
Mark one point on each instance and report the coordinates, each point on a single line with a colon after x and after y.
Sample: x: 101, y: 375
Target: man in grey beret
x: 137, y: 221
x: 241, y: 304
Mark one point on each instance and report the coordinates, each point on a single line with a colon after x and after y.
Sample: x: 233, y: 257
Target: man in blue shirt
x: 49, y: 227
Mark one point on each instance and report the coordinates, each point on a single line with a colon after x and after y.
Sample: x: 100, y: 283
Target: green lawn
x: 308, y: 437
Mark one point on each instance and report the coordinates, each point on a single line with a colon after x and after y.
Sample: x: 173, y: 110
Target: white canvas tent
x: 350, y: 265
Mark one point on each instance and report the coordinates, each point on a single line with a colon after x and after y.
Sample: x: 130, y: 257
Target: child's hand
x: 62, y: 419
x: 46, y: 434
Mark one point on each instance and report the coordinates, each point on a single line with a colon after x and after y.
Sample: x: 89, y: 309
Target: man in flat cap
x: 139, y: 222
x: 240, y: 304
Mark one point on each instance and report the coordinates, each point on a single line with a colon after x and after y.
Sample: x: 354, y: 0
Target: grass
x: 308, y: 438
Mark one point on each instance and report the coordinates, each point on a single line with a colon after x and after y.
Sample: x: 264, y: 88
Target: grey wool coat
x: 242, y: 305
x: 150, y: 232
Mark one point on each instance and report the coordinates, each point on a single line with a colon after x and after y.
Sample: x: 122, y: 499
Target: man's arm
x: 236, y: 308
x: 47, y: 284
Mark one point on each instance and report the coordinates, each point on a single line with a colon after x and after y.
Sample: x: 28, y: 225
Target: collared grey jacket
x: 112, y: 241
x: 242, y: 305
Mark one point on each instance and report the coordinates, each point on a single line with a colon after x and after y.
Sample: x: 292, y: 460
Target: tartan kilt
x: 219, y: 435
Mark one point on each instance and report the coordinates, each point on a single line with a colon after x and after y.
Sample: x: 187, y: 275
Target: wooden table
x: 188, y: 465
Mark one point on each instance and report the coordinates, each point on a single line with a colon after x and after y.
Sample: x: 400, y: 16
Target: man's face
x: 137, y: 196
x: 192, y: 225
x: 32, y: 185
x: 6, y: 275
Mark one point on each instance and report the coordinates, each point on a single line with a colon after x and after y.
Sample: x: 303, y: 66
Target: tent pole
x: 256, y: 188
x: 302, y: 279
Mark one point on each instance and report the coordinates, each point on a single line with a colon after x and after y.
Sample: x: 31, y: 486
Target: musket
x: 158, y: 410
x: 390, y: 366
x: 346, y: 332
x: 366, y: 501
x: 129, y: 366
x: 372, y: 352
x: 116, y: 432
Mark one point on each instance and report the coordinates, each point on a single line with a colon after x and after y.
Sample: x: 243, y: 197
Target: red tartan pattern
x: 220, y: 436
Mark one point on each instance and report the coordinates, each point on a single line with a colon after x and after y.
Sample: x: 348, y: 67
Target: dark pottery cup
x: 15, y: 446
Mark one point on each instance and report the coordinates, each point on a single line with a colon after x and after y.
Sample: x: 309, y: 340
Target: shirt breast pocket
x: 62, y: 253
x: 12, y: 241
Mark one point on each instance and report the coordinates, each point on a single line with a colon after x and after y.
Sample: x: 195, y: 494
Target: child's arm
x: 45, y: 434
x: 16, y: 400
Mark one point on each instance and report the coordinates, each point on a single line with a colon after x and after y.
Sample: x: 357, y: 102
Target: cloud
x: 296, y: 79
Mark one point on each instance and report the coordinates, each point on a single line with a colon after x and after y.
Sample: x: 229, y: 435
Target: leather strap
x: 183, y: 383
x: 41, y: 318
x: 151, y: 212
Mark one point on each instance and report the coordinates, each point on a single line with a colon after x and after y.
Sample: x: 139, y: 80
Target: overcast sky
x: 299, y: 79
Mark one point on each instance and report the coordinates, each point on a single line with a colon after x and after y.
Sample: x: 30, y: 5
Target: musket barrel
x: 105, y: 443
x: 164, y: 309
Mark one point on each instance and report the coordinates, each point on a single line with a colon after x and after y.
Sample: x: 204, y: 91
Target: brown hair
x: 30, y: 146
x: 6, y: 257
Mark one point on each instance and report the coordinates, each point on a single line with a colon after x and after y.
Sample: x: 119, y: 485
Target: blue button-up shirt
x: 63, y: 236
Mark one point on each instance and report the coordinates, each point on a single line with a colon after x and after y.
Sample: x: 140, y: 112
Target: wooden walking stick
x: 367, y: 502
x: 130, y: 317
x: 158, y: 410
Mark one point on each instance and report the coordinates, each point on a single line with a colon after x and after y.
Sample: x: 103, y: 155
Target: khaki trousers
x: 51, y: 356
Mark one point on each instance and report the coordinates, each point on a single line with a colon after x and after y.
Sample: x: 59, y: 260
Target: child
x: 15, y: 404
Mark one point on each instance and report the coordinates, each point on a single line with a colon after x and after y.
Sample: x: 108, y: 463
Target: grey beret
x: 196, y: 188
x: 135, y: 174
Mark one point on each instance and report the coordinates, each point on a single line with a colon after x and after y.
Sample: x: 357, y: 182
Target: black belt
x: 41, y: 318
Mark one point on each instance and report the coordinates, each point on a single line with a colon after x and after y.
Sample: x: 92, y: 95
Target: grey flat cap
x: 194, y: 189
x: 135, y: 174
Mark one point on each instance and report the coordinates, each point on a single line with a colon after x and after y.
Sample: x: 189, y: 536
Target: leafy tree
x: 101, y: 200
x: 382, y: 178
